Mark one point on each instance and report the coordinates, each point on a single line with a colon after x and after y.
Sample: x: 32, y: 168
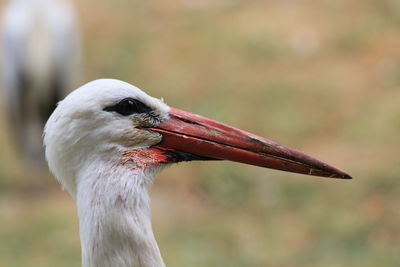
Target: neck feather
x: 114, y: 217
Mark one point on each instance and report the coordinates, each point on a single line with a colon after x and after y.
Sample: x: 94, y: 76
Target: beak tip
x: 346, y: 176
x: 342, y: 176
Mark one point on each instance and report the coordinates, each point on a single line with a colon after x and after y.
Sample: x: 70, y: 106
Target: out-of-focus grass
x: 38, y: 232
x: 322, y: 76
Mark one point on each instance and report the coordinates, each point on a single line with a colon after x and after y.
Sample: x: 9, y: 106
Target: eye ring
x: 129, y: 106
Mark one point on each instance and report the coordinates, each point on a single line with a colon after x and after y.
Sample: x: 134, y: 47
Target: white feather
x: 84, y: 145
x: 40, y: 64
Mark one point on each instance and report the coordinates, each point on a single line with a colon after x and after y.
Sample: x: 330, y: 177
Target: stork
x: 107, y: 139
x: 40, y: 54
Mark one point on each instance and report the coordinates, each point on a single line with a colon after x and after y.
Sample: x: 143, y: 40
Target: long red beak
x: 203, y: 138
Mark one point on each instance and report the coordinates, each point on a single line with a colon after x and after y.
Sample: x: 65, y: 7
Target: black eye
x: 128, y: 106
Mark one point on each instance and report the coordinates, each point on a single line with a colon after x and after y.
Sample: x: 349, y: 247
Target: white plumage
x: 84, y: 145
x: 40, y: 54
x: 106, y: 141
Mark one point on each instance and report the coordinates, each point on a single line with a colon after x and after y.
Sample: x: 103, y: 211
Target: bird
x: 107, y: 140
x: 40, y: 63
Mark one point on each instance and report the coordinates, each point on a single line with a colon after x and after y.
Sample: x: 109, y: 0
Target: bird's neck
x: 114, y: 217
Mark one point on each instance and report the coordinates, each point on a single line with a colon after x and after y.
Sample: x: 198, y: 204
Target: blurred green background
x: 322, y: 76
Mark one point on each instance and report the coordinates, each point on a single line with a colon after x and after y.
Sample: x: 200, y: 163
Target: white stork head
x: 104, y: 143
x: 109, y: 119
x: 99, y: 122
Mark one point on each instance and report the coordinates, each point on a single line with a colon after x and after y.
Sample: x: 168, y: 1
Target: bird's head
x: 112, y: 121
x: 101, y: 120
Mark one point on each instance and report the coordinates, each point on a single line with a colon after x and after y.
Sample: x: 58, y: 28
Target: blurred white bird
x: 106, y: 140
x: 40, y: 58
